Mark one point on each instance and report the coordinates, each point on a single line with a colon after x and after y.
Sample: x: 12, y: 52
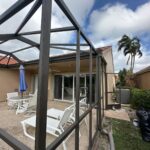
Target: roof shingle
x: 5, y: 60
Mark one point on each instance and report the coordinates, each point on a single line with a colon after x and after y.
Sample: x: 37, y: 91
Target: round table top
x: 19, y: 98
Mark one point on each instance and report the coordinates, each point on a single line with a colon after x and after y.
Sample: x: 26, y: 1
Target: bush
x: 140, y: 98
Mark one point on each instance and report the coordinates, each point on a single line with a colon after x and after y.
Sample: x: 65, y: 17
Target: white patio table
x: 20, y: 101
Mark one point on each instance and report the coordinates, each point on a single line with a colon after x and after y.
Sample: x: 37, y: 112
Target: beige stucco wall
x: 11, y: 77
x: 107, y: 54
x: 9, y: 82
x: 51, y: 87
x: 110, y: 68
x: 143, y: 80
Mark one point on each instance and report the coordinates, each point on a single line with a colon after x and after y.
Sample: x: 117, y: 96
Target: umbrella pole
x: 21, y: 94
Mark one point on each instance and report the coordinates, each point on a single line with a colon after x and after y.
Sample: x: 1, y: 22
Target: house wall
x: 110, y: 68
x: 11, y: 77
x: 51, y: 87
x: 9, y: 81
x: 143, y: 80
x: 69, y: 68
x: 107, y: 54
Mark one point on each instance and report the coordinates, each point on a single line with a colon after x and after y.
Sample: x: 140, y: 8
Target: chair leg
x: 64, y: 142
x: 25, y: 131
x: 86, y: 122
x: 21, y: 108
x: 64, y: 145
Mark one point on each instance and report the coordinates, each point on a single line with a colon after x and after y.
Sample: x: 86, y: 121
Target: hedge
x: 140, y: 98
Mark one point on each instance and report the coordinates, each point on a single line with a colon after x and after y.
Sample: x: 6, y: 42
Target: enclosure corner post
x: 41, y: 110
x: 90, y: 99
x: 77, y: 91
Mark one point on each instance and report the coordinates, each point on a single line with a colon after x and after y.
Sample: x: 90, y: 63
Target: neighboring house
x: 61, y: 84
x: 142, y: 78
x: 6, y: 60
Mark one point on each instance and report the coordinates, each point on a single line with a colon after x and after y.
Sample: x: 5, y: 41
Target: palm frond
x: 140, y: 53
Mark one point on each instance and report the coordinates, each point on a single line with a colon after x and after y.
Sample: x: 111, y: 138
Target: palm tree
x: 130, y: 47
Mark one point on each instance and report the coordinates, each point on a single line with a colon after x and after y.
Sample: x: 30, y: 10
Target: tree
x: 125, y: 78
x: 122, y: 77
x: 130, y: 47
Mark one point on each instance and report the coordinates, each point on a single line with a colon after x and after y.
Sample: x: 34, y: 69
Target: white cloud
x: 80, y: 9
x: 6, y: 4
x: 113, y: 21
x: 109, y: 23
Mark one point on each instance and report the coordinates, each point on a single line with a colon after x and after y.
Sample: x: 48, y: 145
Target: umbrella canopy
x: 22, y: 82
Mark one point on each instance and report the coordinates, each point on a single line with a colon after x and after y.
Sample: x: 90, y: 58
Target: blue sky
x: 130, y: 3
x: 104, y: 22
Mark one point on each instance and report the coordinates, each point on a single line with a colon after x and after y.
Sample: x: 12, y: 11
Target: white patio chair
x: 10, y: 102
x: 54, y: 127
x: 28, y: 105
x: 33, y: 101
x: 57, y: 114
x: 83, y: 102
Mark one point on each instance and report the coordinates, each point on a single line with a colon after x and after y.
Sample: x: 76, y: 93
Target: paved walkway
x: 117, y: 114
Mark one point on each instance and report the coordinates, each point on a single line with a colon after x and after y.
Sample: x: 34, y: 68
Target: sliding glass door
x: 64, y: 87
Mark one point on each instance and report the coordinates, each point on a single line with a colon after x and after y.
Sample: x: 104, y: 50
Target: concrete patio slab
x: 10, y: 122
x: 117, y: 114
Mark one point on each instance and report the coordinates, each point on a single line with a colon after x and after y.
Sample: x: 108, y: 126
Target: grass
x: 127, y: 137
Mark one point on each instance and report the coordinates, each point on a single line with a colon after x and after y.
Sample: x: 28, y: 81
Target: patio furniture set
x: 21, y: 104
x: 56, y: 119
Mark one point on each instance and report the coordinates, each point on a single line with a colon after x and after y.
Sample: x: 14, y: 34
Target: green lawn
x: 127, y: 137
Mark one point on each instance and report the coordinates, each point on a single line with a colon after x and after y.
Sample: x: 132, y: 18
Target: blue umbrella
x: 22, y: 82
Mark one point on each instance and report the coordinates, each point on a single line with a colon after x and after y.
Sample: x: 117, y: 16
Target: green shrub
x: 140, y: 98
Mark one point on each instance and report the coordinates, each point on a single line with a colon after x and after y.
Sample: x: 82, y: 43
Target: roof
x: 70, y: 56
x: 64, y: 57
x: 147, y: 69
x: 102, y: 49
x: 7, y: 60
x: 98, y: 50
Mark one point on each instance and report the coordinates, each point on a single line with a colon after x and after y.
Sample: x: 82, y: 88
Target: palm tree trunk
x: 133, y: 62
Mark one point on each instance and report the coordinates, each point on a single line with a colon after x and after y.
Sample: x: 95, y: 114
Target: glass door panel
x: 68, y: 88
x: 58, y: 87
x: 82, y: 86
x: 93, y: 87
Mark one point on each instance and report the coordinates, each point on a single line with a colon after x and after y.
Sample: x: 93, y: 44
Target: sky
x: 103, y: 21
